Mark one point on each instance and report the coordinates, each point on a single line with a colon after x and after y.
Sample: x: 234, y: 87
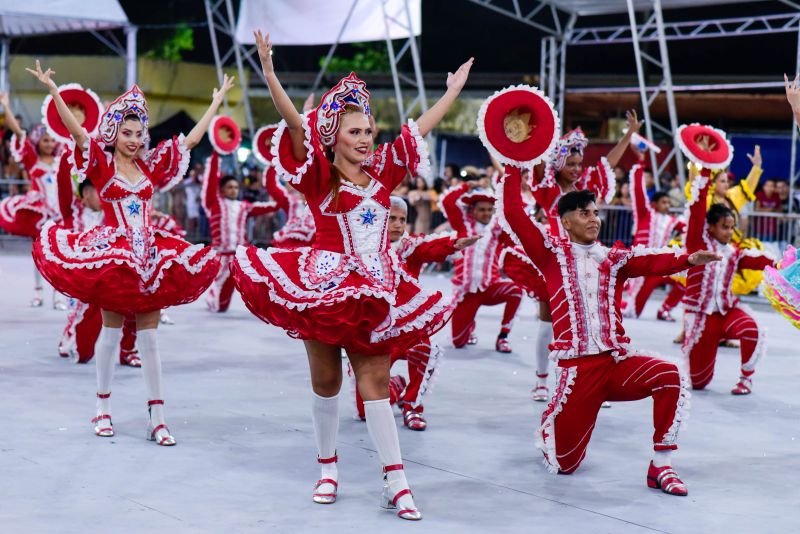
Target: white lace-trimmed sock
x: 147, y: 343
x: 543, y: 338
x: 105, y: 349
x: 662, y: 458
x: 383, y: 431
x: 325, y: 417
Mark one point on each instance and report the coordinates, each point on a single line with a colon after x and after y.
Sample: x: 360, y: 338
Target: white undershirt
x: 587, y: 263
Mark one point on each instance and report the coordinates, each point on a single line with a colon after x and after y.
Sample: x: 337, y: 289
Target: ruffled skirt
x: 125, y: 270
x: 25, y: 215
x: 782, y: 286
x: 366, y: 304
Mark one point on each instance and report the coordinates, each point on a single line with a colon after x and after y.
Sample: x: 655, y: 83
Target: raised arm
x: 210, y: 196
x: 455, y: 82
x: 73, y: 125
x: 793, y: 96
x: 11, y: 121
x: 284, y: 105
x: 754, y: 176
x: 696, y: 226
x: 275, y: 190
x: 527, y: 232
x: 633, y: 125
x: 452, y: 209
x: 196, y: 134
x: 664, y: 262
x: 641, y: 204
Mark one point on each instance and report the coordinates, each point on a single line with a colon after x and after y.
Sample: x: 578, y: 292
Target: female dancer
x: 347, y: 290
x: 126, y: 265
x: 25, y: 214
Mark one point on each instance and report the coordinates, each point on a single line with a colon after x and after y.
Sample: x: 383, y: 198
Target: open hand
x: 465, y: 242
x: 702, y: 257
x: 755, y: 157
x: 793, y: 91
x: 264, y: 47
x: 457, y: 79
x: 632, y: 122
x: 227, y: 84
x: 44, y: 77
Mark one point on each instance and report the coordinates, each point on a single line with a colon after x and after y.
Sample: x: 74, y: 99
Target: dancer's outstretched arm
x: 73, y: 125
x: 217, y: 97
x: 282, y: 102
x: 793, y: 96
x: 634, y: 124
x: 11, y: 121
x: 455, y: 82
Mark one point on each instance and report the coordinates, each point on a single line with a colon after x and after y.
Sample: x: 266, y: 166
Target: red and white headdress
x: 518, y: 125
x: 573, y: 141
x: 78, y: 99
x: 262, y: 143
x: 224, y: 134
x: 704, y: 145
x: 36, y: 133
x: 130, y: 103
x: 325, y: 118
x: 477, y: 195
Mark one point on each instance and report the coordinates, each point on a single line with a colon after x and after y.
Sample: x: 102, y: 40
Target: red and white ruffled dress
x: 348, y: 288
x: 26, y: 214
x: 127, y: 265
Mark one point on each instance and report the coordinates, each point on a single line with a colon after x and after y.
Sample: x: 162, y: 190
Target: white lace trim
x: 681, y: 412
x: 17, y: 146
x: 280, y: 170
x: 183, y: 160
x: 548, y: 444
x: 387, y: 330
x: 611, y: 180
x: 422, y: 167
x: 693, y: 158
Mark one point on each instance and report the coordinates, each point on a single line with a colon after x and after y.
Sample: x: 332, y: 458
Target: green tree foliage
x: 369, y: 57
x: 170, y: 48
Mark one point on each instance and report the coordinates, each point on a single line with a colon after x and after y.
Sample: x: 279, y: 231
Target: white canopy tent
x: 23, y: 18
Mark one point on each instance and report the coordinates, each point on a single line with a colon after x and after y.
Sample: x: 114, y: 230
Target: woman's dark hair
x: 82, y: 187
x: 575, y: 200
x: 227, y: 178
x: 439, y: 185
x: 717, y: 212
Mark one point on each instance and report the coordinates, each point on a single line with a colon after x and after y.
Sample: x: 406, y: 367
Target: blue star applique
x: 368, y: 217
x: 133, y: 208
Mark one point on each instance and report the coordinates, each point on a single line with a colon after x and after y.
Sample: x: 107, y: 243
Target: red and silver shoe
x: 166, y: 439
x: 414, y: 420
x: 131, y: 358
x: 540, y: 393
x: 502, y: 345
x: 37, y: 301
x: 473, y: 340
x: 665, y: 315
x: 101, y: 430
x: 390, y: 502
x: 326, y: 497
x: 743, y: 386
x: 666, y: 479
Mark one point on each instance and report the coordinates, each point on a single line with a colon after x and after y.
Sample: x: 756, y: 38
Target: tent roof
x: 607, y: 7
x: 41, y: 17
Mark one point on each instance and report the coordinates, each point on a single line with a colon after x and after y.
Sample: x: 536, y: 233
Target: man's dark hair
x: 575, y: 200
x: 717, y: 212
x: 658, y: 195
x: 227, y: 178
x: 82, y: 187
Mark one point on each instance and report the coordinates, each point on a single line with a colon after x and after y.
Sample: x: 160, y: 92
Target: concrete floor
x: 238, y: 403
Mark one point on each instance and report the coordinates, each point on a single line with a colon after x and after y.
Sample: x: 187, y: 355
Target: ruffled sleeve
x: 168, y: 162
x: 23, y: 151
x: 407, y: 154
x: 307, y: 175
x: 600, y: 180
x: 92, y: 162
x: 275, y: 190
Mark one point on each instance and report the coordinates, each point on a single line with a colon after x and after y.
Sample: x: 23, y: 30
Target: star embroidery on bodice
x: 368, y: 217
x: 133, y: 208
x: 48, y: 178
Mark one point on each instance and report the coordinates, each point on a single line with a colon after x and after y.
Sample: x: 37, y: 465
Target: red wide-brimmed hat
x: 704, y: 145
x: 80, y: 101
x: 518, y: 125
x: 224, y: 134
x: 262, y: 143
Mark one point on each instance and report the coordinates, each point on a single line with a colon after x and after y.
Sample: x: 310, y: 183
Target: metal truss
x: 648, y: 96
x: 538, y: 14
x: 222, y: 25
x: 553, y: 64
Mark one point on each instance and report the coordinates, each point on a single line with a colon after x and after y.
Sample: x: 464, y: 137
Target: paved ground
x: 238, y: 403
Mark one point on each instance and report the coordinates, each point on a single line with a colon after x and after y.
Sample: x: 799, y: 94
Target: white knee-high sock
x: 147, y: 343
x: 383, y: 431
x: 104, y: 350
x: 543, y: 338
x: 325, y: 416
x: 37, y: 279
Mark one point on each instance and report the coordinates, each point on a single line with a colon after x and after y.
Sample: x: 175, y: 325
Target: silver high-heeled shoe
x: 389, y: 502
x: 166, y: 441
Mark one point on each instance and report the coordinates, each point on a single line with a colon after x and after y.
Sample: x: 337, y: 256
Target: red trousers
x: 585, y: 382
x: 650, y: 283
x: 220, y: 293
x: 704, y: 333
x: 84, y: 322
x: 422, y: 359
x: 501, y: 292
